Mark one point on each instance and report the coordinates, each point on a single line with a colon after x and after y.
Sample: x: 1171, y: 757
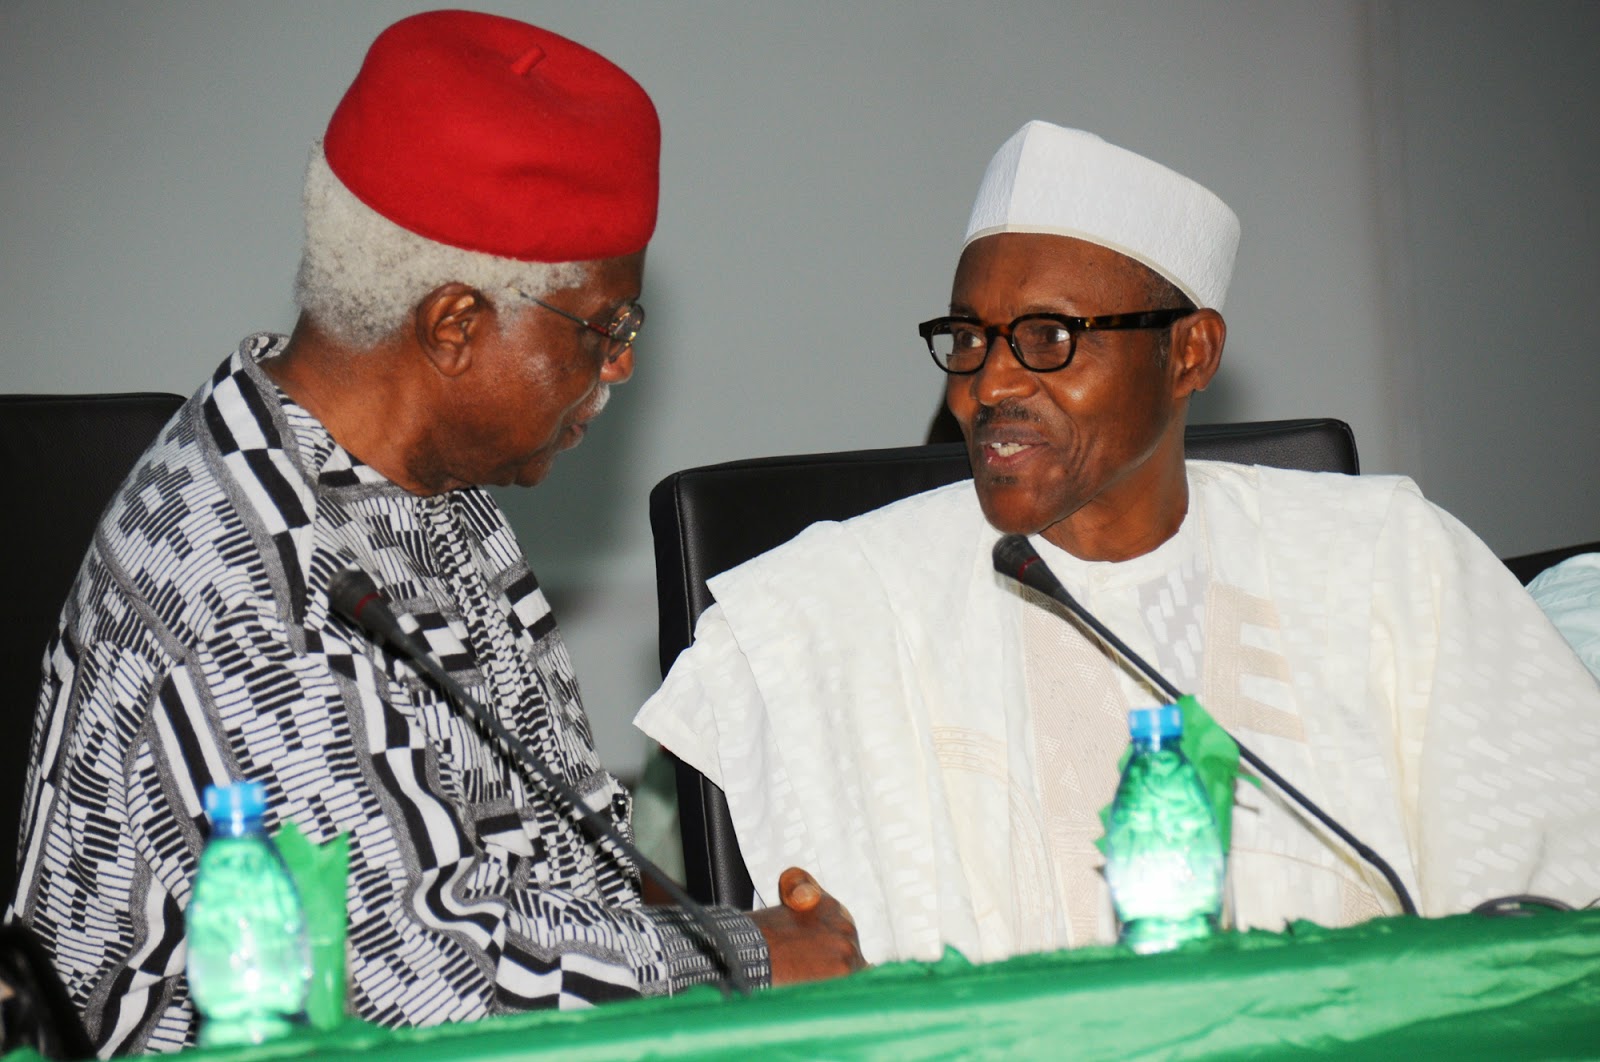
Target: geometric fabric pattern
x: 197, y: 647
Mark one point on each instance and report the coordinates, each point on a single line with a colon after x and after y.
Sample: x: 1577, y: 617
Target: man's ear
x: 447, y: 321
x: 1197, y: 351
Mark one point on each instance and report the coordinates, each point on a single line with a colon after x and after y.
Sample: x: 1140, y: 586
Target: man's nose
x: 618, y: 369
x: 1002, y: 375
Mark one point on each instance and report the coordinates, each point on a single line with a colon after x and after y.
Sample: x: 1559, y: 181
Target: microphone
x: 354, y: 595
x: 1015, y: 558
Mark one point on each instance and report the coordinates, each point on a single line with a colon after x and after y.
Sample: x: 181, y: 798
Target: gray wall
x: 1416, y: 183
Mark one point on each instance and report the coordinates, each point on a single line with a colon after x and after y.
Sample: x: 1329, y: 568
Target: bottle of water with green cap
x: 1164, y: 857
x: 249, y: 965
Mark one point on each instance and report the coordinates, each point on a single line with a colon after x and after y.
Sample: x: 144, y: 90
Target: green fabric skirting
x: 1399, y: 988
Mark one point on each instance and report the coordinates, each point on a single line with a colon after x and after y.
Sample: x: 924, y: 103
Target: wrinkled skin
x: 1090, y: 456
x: 810, y: 935
x: 469, y: 392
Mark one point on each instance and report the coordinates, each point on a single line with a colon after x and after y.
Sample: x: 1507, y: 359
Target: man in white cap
x: 880, y: 705
x: 476, y: 220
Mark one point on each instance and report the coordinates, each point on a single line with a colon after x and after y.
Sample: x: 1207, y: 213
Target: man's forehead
x: 1064, y: 263
x: 613, y: 281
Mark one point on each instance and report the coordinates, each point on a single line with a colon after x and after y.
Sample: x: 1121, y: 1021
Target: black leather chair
x: 62, y: 458
x: 35, y: 1012
x: 707, y: 520
x: 1529, y: 565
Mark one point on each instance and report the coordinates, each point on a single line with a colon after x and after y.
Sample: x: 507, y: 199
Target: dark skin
x: 466, y: 395
x: 470, y: 394
x: 1090, y: 456
x: 810, y: 935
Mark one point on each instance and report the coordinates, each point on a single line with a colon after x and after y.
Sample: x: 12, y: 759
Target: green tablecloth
x: 1463, y: 987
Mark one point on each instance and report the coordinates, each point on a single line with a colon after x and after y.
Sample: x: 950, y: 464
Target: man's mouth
x: 1006, y: 449
x: 580, y: 426
x: 1006, y: 437
x: 1006, y: 455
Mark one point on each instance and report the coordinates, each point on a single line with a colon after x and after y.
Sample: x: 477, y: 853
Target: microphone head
x: 348, y: 591
x: 1015, y: 558
x: 1012, y: 555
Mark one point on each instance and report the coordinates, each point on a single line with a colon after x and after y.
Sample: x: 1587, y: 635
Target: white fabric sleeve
x: 1497, y: 721
x: 681, y: 714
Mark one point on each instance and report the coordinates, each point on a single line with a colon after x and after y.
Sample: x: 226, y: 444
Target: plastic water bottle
x: 249, y: 964
x: 1164, y: 857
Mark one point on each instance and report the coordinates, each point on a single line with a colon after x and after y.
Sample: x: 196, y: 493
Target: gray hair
x: 361, y: 275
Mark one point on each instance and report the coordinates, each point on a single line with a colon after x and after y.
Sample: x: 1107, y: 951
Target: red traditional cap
x: 495, y: 136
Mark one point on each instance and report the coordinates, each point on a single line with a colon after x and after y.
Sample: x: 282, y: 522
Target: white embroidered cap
x: 1071, y: 183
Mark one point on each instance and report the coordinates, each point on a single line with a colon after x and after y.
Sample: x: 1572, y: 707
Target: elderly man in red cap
x: 476, y: 221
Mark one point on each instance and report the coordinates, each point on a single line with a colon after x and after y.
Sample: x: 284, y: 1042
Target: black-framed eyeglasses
x: 619, y: 333
x: 1042, y: 342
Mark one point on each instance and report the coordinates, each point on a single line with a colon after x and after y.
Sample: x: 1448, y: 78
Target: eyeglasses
x: 1042, y: 342
x: 619, y: 333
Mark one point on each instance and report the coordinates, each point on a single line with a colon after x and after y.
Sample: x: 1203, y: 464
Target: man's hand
x: 810, y: 936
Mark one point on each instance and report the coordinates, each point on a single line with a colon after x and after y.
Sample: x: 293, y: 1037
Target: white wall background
x: 1416, y: 181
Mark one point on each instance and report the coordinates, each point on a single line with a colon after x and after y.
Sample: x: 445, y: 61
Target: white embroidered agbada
x: 934, y: 745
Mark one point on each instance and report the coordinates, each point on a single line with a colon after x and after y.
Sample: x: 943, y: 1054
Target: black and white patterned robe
x: 197, y: 647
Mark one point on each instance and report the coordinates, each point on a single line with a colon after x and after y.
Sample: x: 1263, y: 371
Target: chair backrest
x: 707, y: 520
x: 36, y: 1013
x: 1527, y: 566
x: 62, y: 457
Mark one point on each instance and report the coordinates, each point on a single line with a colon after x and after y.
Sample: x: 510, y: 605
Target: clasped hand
x: 810, y: 935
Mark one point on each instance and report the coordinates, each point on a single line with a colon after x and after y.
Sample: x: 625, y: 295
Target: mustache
x: 598, y: 401
x: 1007, y: 412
